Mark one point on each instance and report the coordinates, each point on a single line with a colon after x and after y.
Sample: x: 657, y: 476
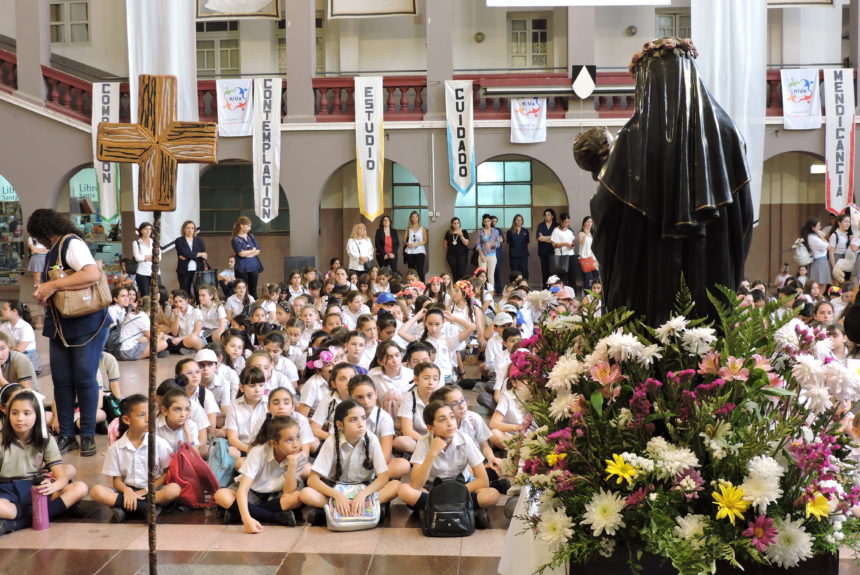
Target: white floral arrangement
x: 697, y: 444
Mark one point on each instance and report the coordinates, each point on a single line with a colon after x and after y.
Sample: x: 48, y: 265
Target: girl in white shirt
x: 240, y: 301
x: 247, y: 410
x: 19, y: 324
x: 379, y: 422
x: 294, y: 285
x: 411, y: 413
x: 315, y: 385
x: 322, y: 423
x: 508, y: 416
x: 175, y: 424
x: 269, y: 300
x: 440, y: 331
x: 213, y: 314
x: 819, y: 269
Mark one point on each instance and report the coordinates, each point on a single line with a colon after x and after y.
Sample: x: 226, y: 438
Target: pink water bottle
x: 40, y: 504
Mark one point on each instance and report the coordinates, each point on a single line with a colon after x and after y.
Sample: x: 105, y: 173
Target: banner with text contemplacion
x: 369, y: 144
x: 267, y: 147
x: 839, y: 138
x: 461, y: 136
x: 106, y: 109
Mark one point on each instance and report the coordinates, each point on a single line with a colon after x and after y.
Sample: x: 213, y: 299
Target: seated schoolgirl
x: 270, y: 479
x: 412, y: 428
x: 234, y: 343
x: 248, y: 408
x: 447, y: 452
x: 379, y: 422
x: 186, y: 327
x: 283, y: 403
x: 392, y: 379
x: 367, y: 326
x: 18, y: 322
x: 508, y: 416
x: 315, y: 385
x: 127, y: 466
x: 322, y: 422
x: 27, y: 450
x: 275, y: 345
x: 211, y: 377
x: 175, y: 424
x: 274, y: 379
x: 350, y: 455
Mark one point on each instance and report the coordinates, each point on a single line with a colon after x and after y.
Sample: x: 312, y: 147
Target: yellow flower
x: 819, y: 506
x: 617, y: 466
x: 553, y: 458
x: 731, y: 502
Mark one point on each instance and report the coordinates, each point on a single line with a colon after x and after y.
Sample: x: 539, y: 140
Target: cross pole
x: 158, y: 144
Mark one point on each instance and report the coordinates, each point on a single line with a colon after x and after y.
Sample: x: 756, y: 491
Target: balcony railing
x: 8, y: 71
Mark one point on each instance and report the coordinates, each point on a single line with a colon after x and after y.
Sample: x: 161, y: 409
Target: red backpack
x: 196, y: 481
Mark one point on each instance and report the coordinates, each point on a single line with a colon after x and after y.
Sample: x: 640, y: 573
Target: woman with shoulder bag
x: 76, y: 343
x: 360, y: 249
x: 387, y: 243
x: 587, y: 262
x: 191, y: 251
x: 247, y: 250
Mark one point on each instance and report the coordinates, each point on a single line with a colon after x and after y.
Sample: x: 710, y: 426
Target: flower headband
x: 661, y: 47
x: 479, y: 271
x: 435, y: 280
x: 325, y: 357
x: 465, y: 287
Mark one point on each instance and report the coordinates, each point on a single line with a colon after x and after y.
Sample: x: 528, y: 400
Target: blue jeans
x: 74, y: 370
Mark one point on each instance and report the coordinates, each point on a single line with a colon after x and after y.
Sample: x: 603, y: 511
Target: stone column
x: 440, y: 55
x: 300, y: 17
x: 32, y: 34
x: 580, y: 50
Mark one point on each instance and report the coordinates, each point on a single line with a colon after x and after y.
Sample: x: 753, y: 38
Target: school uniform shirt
x: 21, y: 331
x: 110, y: 366
x: 187, y: 321
x: 509, y: 407
x: 198, y: 415
x: 242, y: 417
x: 270, y: 307
x: 368, y: 355
x: 385, y: 384
x: 380, y: 423
x: 219, y: 388
x: 174, y: 436
x: 502, y: 364
x: 230, y: 381
x: 462, y: 313
x: 298, y: 356
x: 474, y: 426
x: 314, y: 390
x: 132, y: 329
x: 235, y: 305
x: 209, y: 405
x: 277, y: 380
x: 306, y: 435
x: 116, y: 313
x: 349, y: 319
x: 266, y: 473
x: 460, y: 454
x: 492, y: 352
x: 24, y: 461
x: 412, y: 407
x: 18, y: 368
x: 293, y: 293
x: 131, y: 463
x: 446, y: 350
x: 288, y: 369
x: 351, y: 459
x: 212, y: 315
x: 325, y: 413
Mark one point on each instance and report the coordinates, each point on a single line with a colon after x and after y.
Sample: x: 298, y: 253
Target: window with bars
x: 504, y: 189
x: 218, y: 48
x: 673, y: 23
x: 406, y: 196
x: 530, y: 43
x: 227, y: 192
x: 70, y: 21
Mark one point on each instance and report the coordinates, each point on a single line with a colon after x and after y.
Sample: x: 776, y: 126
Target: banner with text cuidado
x: 267, y: 147
x: 839, y: 138
x: 461, y: 136
x: 235, y: 107
x: 106, y: 109
x: 801, y: 103
x: 369, y: 144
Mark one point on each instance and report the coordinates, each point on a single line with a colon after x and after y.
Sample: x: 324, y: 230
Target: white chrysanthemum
x: 698, y: 340
x: 555, y: 527
x: 560, y: 407
x: 786, y: 336
x: 822, y: 348
x: 656, y: 446
x: 622, y: 346
x: 641, y: 463
x: 764, y: 465
x: 603, y: 513
x: 792, y: 544
x: 690, y: 526
x: 815, y: 398
x: 670, y: 460
x: 761, y: 490
x: 842, y: 383
x: 807, y: 370
x: 563, y: 323
x: 670, y: 328
x: 598, y: 355
x: 565, y: 373
x: 606, y: 547
x: 540, y: 299
x: 649, y: 354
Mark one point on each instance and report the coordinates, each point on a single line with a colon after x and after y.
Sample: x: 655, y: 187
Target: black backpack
x: 113, y: 342
x: 448, y: 512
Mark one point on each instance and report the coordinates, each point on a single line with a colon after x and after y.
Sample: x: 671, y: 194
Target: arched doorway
x: 792, y: 192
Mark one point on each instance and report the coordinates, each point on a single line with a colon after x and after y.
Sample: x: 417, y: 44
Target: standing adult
x: 544, y: 238
x: 37, y: 259
x: 488, y: 240
x: 190, y: 251
x: 387, y: 244
x: 819, y: 270
x: 76, y: 344
x: 359, y: 248
x: 500, y: 254
x: 248, y: 265
x: 564, y: 242
x: 518, y: 246
x: 415, y: 239
x: 586, y: 256
x: 142, y: 251
x: 456, y: 242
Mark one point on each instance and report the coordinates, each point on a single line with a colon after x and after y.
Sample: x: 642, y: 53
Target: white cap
x: 206, y: 355
x: 503, y: 318
x: 553, y: 280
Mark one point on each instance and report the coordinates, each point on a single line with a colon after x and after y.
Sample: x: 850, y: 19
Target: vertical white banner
x: 235, y: 107
x: 839, y: 138
x: 267, y: 147
x: 801, y: 101
x: 369, y: 144
x: 528, y: 120
x: 461, y: 136
x: 105, y: 106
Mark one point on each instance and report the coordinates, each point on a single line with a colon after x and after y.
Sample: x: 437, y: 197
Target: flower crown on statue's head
x: 325, y: 357
x: 661, y: 47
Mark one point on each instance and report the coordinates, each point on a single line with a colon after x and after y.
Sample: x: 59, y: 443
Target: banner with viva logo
x: 839, y: 138
x: 235, y: 107
x: 369, y: 145
x: 528, y: 120
x: 106, y: 109
x: 801, y: 102
x: 461, y: 136
x: 267, y: 148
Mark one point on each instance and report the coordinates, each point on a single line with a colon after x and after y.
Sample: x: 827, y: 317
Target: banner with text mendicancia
x: 528, y: 120
x: 461, y: 136
x: 801, y: 102
x: 839, y: 138
x: 267, y: 147
x: 235, y: 107
x: 106, y: 109
x: 369, y: 145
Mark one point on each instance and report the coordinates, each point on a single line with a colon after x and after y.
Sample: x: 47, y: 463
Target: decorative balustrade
x: 335, y: 98
x: 67, y: 94
x: 8, y: 71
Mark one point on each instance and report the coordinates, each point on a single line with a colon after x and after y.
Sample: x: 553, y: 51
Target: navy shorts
x: 17, y: 491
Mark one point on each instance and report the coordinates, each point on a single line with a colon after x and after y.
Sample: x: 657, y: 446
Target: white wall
x: 812, y: 35
x: 614, y: 48
x: 258, y: 52
x: 7, y: 18
x: 108, y: 46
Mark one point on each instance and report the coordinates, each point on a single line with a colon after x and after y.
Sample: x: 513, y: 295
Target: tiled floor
x: 198, y: 541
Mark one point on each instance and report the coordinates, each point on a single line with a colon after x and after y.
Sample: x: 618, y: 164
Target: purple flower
x: 726, y: 409
x: 763, y: 532
x: 690, y: 483
x: 636, y: 498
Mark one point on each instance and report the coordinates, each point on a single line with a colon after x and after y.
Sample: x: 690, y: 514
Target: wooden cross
x: 158, y: 143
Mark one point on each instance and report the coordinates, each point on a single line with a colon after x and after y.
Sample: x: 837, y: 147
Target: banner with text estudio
x: 267, y: 148
x: 106, y: 109
x: 839, y: 138
x: 461, y: 136
x: 235, y: 107
x: 801, y: 103
x: 369, y: 144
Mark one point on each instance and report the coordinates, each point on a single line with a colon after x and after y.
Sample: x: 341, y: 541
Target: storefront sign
x: 267, y: 147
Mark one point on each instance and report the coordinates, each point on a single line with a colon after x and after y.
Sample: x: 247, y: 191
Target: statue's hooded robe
x: 673, y: 196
